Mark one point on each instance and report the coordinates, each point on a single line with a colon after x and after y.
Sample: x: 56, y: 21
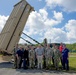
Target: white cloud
x: 58, y: 16
x: 68, y: 5
x: 43, y: 13
x: 56, y: 35
x: 39, y: 21
x: 35, y: 23
x: 52, y: 3
x: 22, y: 41
x: 40, y: 26
x: 51, y: 22
x: 2, y: 21
x: 67, y: 34
x: 71, y: 30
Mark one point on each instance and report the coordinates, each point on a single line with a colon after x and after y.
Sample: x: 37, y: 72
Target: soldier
x: 14, y: 53
x: 53, y: 47
x: 56, y: 57
x: 44, y: 48
x: 44, y: 59
x: 48, y: 56
x: 32, y: 58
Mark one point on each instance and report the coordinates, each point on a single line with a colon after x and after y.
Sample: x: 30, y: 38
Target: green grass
x: 0, y: 54
x: 72, y: 63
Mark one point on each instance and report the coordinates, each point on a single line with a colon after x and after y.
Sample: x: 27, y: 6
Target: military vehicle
x: 10, y: 34
x: 14, y: 26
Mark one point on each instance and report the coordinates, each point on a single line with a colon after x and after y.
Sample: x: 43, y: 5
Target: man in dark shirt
x: 19, y: 55
x: 65, y: 56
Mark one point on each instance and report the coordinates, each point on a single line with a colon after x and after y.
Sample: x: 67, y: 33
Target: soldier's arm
x: 59, y: 53
x: 51, y: 52
x: 34, y: 54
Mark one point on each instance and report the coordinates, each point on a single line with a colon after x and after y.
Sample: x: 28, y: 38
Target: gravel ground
x: 6, y: 69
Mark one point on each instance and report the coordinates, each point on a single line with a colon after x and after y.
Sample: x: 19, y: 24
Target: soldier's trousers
x: 56, y: 63
x: 32, y: 63
x: 53, y: 60
x: 48, y: 62
x: 15, y: 62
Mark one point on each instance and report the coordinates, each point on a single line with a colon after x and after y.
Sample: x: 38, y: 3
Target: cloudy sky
x: 52, y: 19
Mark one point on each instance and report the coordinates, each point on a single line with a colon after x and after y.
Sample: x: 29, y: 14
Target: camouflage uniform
x: 56, y: 56
x: 31, y: 58
x: 44, y: 58
x: 15, y: 58
x: 53, y: 55
x: 48, y: 56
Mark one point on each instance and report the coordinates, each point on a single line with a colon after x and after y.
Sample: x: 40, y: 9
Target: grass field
x: 72, y: 61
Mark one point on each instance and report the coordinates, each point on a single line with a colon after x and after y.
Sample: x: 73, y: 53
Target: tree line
x: 71, y: 47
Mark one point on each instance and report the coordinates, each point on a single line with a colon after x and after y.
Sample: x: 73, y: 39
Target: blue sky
x: 52, y: 19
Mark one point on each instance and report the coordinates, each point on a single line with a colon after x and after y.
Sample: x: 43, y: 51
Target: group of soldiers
x: 41, y: 57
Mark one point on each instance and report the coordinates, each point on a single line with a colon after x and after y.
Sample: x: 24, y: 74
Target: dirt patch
x: 5, y: 58
x: 1, y: 60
